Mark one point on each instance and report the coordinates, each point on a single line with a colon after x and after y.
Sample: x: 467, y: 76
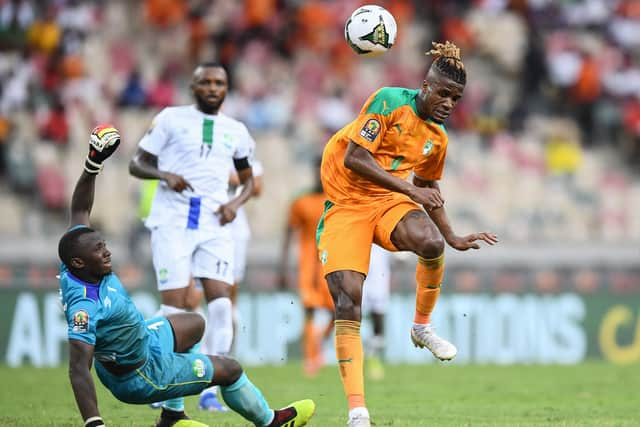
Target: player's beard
x: 209, y: 107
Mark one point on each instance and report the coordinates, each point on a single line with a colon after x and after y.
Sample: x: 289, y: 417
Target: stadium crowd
x: 549, y: 125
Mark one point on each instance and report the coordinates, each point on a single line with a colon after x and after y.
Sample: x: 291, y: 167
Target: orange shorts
x: 346, y: 232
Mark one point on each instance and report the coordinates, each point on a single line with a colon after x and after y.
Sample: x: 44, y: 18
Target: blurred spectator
x: 76, y: 19
x: 563, y: 155
x: 165, y: 13
x: 51, y: 188
x: 197, y: 34
x: 4, y: 142
x: 55, y: 127
x: 133, y: 94
x: 294, y: 78
x: 45, y: 34
x: 631, y: 120
x: 16, y: 16
x: 162, y: 92
x: 15, y: 90
x: 584, y: 93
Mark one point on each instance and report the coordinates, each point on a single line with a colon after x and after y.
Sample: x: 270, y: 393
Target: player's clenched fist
x: 103, y: 142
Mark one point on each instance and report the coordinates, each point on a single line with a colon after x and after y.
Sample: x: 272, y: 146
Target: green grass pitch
x: 591, y: 394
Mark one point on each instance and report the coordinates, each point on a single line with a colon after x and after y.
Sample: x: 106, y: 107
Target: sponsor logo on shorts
x: 323, y: 257
x: 198, y: 368
x: 428, y: 146
x: 370, y: 130
x: 80, y: 321
x: 163, y: 275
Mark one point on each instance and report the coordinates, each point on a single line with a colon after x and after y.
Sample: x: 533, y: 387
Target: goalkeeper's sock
x: 176, y: 404
x: 350, y: 360
x: 429, y: 274
x: 247, y: 400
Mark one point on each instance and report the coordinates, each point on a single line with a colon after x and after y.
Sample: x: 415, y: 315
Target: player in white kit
x: 375, y: 299
x: 240, y: 229
x: 189, y: 149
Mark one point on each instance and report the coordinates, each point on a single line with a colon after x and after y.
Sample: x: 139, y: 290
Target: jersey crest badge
x: 370, y: 130
x: 428, y: 146
x: 80, y: 321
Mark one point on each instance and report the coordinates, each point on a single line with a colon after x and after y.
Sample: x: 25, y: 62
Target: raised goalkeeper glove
x: 103, y: 142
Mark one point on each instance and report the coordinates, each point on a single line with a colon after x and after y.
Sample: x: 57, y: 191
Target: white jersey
x: 199, y: 147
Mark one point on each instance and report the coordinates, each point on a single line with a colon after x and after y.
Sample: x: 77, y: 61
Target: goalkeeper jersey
x: 104, y: 316
x: 199, y: 147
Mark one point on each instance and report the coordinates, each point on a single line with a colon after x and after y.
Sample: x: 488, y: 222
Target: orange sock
x: 429, y: 273
x: 349, y: 353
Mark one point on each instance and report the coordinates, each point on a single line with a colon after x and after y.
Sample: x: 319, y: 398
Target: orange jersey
x: 401, y: 142
x: 304, y: 213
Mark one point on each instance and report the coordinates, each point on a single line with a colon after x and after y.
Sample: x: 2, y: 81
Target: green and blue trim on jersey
x: 389, y: 99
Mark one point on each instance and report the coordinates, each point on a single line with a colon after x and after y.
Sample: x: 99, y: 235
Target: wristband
x: 92, y: 167
x: 94, y: 422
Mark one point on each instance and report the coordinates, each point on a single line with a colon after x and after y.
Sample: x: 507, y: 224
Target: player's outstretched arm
x: 84, y: 390
x: 144, y: 165
x: 104, y: 140
x: 440, y: 219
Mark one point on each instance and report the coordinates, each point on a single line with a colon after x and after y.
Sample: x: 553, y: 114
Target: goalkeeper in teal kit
x: 139, y: 361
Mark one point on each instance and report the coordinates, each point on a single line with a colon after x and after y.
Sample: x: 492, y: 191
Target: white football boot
x: 425, y: 336
x: 359, y: 417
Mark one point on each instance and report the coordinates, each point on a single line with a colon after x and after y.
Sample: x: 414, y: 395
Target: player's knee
x: 347, y: 307
x: 429, y: 246
x: 199, y: 324
x: 226, y: 370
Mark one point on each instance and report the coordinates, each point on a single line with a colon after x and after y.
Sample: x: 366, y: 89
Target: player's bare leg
x: 346, y: 291
x: 418, y: 234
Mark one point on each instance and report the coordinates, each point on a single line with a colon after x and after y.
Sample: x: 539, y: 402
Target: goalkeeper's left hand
x: 103, y: 142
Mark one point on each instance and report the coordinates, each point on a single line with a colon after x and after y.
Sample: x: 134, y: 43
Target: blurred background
x: 544, y: 151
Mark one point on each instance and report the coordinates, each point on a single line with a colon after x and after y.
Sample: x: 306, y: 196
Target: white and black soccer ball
x: 370, y: 30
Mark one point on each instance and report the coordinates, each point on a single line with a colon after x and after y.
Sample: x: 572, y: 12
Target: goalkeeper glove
x: 103, y: 142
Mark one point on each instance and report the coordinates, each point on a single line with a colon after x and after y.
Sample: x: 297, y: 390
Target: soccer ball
x: 370, y: 30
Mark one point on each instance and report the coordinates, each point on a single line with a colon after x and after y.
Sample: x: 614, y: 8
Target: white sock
x: 220, y: 326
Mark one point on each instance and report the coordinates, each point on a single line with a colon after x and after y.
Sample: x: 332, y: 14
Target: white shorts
x: 241, y: 234
x: 179, y: 254
x: 375, y: 293
x: 240, y: 245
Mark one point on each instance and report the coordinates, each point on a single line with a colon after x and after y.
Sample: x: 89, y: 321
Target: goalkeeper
x: 139, y: 361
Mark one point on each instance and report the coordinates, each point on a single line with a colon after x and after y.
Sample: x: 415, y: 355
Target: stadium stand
x: 545, y: 146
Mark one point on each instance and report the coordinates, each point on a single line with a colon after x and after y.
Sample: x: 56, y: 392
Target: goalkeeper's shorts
x: 164, y: 375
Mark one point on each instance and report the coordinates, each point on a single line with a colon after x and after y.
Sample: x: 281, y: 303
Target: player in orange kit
x: 304, y: 213
x: 365, y: 167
